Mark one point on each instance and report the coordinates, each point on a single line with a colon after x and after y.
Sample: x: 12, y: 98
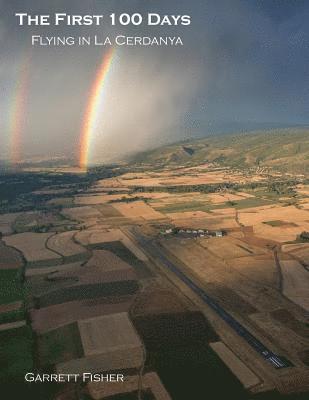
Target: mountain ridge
x: 285, y: 150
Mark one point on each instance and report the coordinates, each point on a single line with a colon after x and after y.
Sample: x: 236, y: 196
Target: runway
x: 276, y: 361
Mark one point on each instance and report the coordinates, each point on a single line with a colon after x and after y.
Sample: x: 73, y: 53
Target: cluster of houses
x: 193, y: 232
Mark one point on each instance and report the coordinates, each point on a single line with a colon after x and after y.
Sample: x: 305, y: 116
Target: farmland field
x: 11, y: 288
x: 198, y: 251
x: 64, y: 244
x: 296, y: 281
x: 90, y: 291
x: 15, y: 354
x: 33, y: 247
x: 72, y: 311
x: 60, y: 345
x: 10, y: 257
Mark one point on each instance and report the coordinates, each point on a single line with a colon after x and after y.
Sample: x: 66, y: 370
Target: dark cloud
x: 242, y: 61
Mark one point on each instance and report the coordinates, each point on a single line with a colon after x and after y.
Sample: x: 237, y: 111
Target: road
x: 154, y: 250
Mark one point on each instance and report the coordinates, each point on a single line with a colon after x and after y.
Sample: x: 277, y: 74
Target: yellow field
x: 299, y: 250
x: 107, y: 261
x: 218, y: 198
x: 256, y: 271
x: 179, y: 176
x: 238, y: 281
x: 196, y: 220
x: 107, y: 334
x: 95, y: 271
x: 137, y: 209
x: 227, y: 212
x: 89, y: 237
x: 278, y: 234
x: 63, y: 243
x: 260, y: 269
x: 295, y: 282
x: 93, y: 236
x: 156, y: 195
x: 229, y: 248
x: 109, y: 343
x: 295, y: 247
x: 81, y: 213
x: 305, y: 205
x: 303, y: 189
x: 187, y: 215
x: 303, y: 254
x: 32, y: 245
x: 198, y: 259
x: 253, y: 216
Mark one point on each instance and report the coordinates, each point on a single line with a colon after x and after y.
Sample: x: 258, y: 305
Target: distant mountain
x: 37, y: 162
x: 285, y: 149
x: 202, y: 128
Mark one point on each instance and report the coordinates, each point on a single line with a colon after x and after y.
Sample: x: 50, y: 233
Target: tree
x: 304, y: 235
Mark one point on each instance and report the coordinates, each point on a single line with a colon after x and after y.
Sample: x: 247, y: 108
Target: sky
x: 243, y: 62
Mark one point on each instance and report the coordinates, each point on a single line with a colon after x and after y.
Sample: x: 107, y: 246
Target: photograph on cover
x: 154, y: 199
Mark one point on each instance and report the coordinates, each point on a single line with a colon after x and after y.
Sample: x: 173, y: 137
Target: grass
x: 274, y: 223
x: 39, y: 222
x: 10, y: 286
x: 15, y: 353
x: 272, y: 195
x: 12, y: 316
x: 63, y: 201
x: 60, y: 345
x: 186, y: 206
x: 251, y: 202
x: 87, y: 291
x: 207, y: 207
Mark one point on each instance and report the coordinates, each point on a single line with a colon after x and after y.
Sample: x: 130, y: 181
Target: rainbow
x: 18, y: 111
x: 94, y: 108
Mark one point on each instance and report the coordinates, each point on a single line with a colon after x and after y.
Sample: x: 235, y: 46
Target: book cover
x: 154, y: 199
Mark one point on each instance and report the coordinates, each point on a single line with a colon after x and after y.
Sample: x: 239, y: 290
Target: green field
x: 63, y: 201
x: 59, y: 345
x: 207, y: 206
x: 12, y: 316
x: 87, y: 291
x: 10, y: 286
x: 15, y: 353
x: 274, y: 223
x: 248, y: 203
x: 186, y: 206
